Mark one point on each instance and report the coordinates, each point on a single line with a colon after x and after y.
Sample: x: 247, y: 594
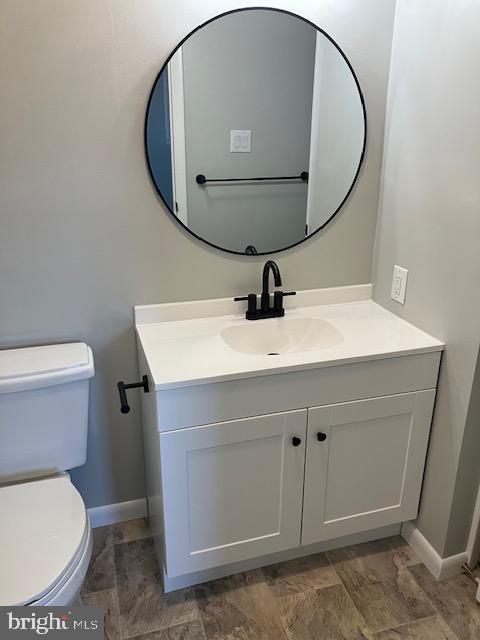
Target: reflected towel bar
x: 201, y: 179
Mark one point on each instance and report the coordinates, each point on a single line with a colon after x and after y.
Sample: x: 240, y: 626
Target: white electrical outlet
x: 399, y: 284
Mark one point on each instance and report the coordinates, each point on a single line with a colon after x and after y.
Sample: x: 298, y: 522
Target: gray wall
x: 249, y: 70
x: 429, y: 222
x: 83, y: 235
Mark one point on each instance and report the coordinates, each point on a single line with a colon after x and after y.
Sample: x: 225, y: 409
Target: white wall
x: 83, y: 235
x: 338, y: 131
x: 429, y: 222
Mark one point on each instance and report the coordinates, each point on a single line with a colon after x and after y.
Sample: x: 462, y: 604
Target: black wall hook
x: 122, y: 390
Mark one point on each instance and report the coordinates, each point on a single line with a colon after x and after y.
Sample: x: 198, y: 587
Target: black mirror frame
x: 362, y: 155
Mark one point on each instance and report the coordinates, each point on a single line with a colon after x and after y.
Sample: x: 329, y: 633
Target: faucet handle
x: 252, y: 304
x: 278, y: 297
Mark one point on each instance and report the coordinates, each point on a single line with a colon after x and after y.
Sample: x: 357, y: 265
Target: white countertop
x: 191, y: 350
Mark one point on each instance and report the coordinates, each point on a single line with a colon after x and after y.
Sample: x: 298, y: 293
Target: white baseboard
x: 119, y: 512
x: 440, y: 568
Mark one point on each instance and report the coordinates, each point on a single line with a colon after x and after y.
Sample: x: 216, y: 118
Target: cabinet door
x: 364, y: 464
x: 232, y: 490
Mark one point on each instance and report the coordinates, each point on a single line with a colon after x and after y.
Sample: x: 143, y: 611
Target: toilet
x: 45, y: 533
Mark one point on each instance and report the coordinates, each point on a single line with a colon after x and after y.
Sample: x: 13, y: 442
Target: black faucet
x: 272, y: 266
x: 267, y: 311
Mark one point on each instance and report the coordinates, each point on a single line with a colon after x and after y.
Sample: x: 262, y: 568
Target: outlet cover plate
x: 399, y: 284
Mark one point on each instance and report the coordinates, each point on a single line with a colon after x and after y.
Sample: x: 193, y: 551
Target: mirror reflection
x: 255, y: 131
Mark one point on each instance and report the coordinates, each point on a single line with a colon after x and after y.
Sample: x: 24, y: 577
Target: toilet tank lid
x: 29, y: 368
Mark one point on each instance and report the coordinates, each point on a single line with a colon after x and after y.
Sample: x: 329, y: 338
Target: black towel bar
x: 201, y: 179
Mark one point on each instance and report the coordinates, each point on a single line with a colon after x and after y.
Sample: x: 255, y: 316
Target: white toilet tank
x: 43, y: 409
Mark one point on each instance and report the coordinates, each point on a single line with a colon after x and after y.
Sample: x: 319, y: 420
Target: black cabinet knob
x: 296, y: 441
x: 321, y: 437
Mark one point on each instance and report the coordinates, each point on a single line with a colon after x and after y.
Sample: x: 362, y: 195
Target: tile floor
x: 373, y: 591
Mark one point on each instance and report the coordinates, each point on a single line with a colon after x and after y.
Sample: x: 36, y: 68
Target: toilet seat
x: 45, y: 539
x: 66, y: 590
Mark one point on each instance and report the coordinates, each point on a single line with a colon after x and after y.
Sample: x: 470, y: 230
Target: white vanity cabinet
x: 248, y: 466
x: 364, y: 464
x: 246, y: 488
x: 232, y: 491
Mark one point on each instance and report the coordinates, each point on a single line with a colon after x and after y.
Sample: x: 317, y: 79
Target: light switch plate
x: 240, y: 140
x: 399, y: 284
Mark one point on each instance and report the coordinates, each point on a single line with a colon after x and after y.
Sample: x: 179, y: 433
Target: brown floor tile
x: 326, y: 614
x: 240, y: 607
x: 142, y: 603
x: 101, y: 572
x: 426, y: 629
x: 130, y: 530
x: 403, y: 553
x: 455, y: 601
x: 187, y: 631
x: 390, y: 596
x: 108, y: 600
x: 376, y: 577
x: 303, y: 574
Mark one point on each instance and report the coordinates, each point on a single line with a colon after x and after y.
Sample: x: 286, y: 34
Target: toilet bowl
x: 45, y: 533
x: 45, y: 542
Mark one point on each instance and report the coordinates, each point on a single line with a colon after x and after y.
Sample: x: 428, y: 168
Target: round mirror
x: 255, y: 131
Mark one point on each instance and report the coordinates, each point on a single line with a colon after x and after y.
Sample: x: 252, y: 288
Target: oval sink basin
x: 278, y: 336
